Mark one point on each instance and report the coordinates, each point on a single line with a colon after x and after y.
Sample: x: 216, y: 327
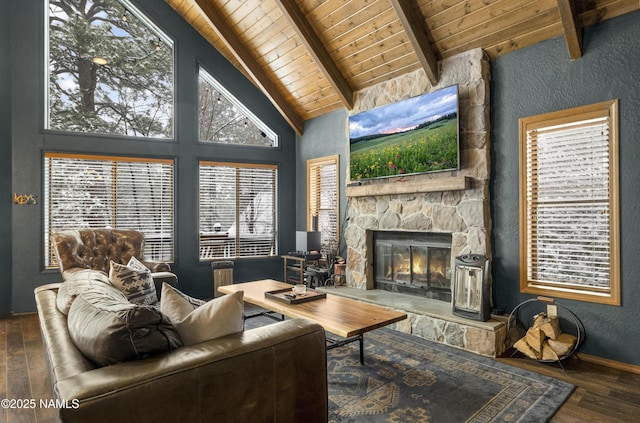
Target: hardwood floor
x: 23, y: 370
x: 602, y: 394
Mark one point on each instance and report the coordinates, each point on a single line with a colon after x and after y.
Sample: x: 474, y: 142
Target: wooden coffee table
x: 340, y: 316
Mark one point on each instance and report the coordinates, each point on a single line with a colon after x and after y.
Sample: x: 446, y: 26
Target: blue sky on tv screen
x: 405, y: 114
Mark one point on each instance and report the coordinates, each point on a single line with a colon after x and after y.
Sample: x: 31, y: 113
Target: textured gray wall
x: 541, y: 79
x: 323, y: 136
x: 5, y: 157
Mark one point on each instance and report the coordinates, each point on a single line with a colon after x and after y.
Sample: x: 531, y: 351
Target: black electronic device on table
x: 305, y: 254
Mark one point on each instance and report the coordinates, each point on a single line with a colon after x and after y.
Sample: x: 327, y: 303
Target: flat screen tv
x: 416, y: 135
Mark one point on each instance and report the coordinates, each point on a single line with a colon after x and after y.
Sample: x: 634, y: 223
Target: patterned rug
x: 409, y: 379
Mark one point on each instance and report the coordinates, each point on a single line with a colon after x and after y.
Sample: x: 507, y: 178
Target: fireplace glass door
x: 413, y: 265
x: 401, y: 263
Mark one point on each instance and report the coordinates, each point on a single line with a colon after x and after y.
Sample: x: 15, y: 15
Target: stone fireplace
x: 453, y: 203
x: 450, y: 207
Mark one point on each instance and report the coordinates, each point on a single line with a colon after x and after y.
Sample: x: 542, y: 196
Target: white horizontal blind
x: 144, y: 201
x: 568, y: 216
x: 323, y: 200
x: 110, y: 192
x: 237, y: 213
x: 315, y: 191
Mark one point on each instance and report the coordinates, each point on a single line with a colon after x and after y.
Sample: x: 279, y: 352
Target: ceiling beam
x: 571, y: 25
x: 248, y: 62
x: 416, y: 29
x: 317, y: 50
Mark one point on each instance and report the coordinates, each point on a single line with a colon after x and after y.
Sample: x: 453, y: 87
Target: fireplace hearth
x: 416, y: 263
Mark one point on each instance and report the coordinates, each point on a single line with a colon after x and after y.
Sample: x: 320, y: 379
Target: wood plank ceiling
x: 310, y: 56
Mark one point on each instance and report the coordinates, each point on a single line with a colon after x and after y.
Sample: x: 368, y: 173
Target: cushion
x: 77, y: 281
x: 218, y: 317
x: 134, y: 279
x: 195, y: 302
x: 109, y: 329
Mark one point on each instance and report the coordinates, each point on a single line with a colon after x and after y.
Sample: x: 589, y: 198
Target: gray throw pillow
x: 77, y: 281
x: 108, y: 329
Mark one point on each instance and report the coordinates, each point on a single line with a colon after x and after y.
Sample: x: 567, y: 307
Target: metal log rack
x: 574, y: 321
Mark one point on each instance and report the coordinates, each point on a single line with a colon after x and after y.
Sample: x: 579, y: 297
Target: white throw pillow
x: 135, y: 281
x: 218, y: 317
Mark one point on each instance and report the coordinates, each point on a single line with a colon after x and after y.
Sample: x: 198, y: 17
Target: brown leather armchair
x: 94, y: 249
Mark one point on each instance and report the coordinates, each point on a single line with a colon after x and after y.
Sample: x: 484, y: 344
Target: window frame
x: 237, y: 241
x: 48, y: 254
x: 313, y: 198
x: 608, y: 111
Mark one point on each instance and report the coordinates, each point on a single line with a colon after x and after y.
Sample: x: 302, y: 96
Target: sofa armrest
x: 63, y: 358
x: 160, y: 277
x: 156, y: 266
x: 274, y: 373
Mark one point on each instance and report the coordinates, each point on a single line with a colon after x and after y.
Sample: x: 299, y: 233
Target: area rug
x: 409, y: 379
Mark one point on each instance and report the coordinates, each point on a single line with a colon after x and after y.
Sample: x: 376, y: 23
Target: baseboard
x: 17, y: 314
x: 631, y: 368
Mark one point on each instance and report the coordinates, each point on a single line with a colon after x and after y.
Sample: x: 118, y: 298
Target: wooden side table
x: 295, y: 266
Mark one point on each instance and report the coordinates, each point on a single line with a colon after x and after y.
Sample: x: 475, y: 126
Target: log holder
x: 576, y: 326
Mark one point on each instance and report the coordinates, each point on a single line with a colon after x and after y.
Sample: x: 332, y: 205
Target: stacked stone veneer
x: 465, y: 214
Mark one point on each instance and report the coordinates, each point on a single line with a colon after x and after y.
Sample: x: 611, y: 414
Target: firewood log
x: 522, y: 346
x: 551, y: 327
x: 548, y: 352
x: 538, y: 319
x: 563, y: 344
x: 535, y: 337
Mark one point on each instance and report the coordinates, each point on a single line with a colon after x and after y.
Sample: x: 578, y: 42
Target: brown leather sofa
x: 275, y: 373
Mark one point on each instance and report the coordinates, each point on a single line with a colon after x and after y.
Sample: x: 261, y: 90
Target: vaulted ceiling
x: 310, y: 56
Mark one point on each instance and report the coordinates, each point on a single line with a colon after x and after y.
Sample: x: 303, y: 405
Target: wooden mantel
x: 450, y: 183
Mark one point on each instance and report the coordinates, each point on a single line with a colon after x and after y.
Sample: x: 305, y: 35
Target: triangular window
x: 224, y: 119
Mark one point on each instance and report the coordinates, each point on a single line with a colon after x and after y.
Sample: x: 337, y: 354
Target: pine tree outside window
x: 569, y: 205
x: 110, y: 70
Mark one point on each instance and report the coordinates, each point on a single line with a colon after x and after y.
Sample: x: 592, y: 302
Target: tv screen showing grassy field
x: 416, y: 135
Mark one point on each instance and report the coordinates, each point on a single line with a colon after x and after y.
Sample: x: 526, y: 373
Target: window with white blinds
x: 322, y: 200
x: 97, y: 192
x: 569, y: 204
x: 237, y: 210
